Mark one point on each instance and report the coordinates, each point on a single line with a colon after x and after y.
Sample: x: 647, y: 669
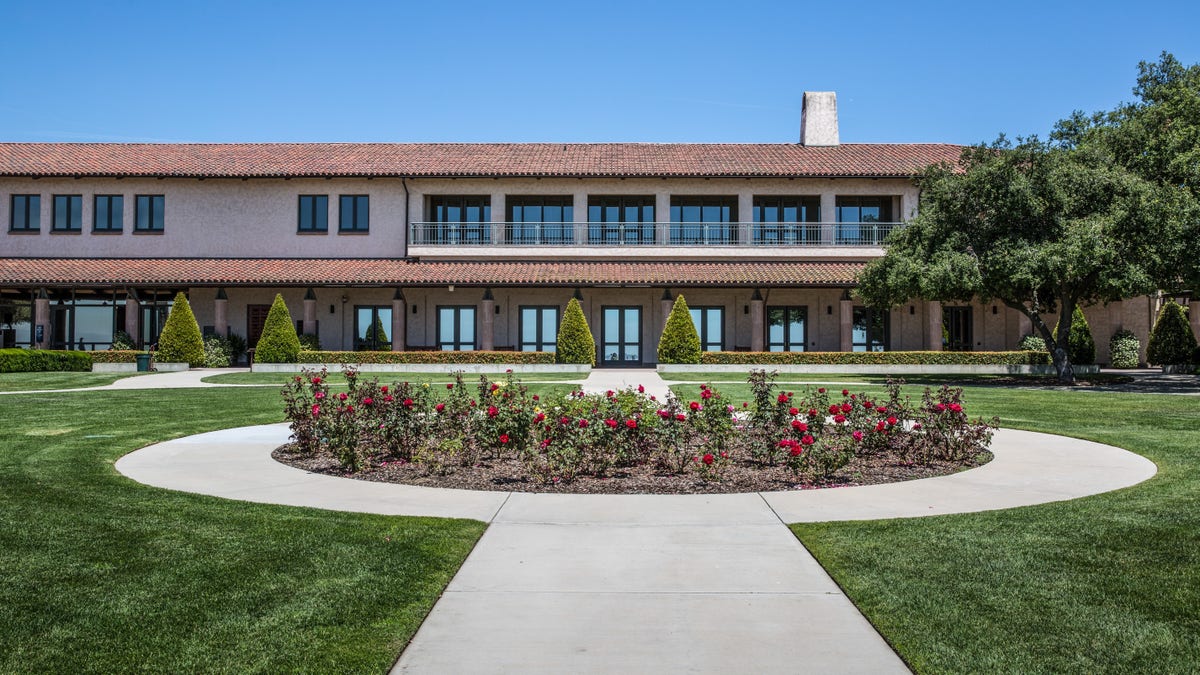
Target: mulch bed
x: 508, y: 475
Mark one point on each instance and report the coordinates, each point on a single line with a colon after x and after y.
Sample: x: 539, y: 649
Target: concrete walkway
x: 187, y: 379
x: 664, y: 583
x: 601, y: 380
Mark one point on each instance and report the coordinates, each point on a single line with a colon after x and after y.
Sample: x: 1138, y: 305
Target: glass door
x: 956, y: 329
x: 622, y: 330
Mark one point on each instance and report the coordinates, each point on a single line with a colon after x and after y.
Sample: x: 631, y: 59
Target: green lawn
x: 102, y: 574
x: 335, y: 376
x: 1109, y: 583
x: 851, y: 378
x: 56, y: 380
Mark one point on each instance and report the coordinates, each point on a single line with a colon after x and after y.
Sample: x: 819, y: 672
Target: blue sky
x: 558, y: 71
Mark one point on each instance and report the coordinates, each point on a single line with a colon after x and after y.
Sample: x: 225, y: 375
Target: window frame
x: 111, y: 214
x: 139, y: 209
x: 313, y: 211
x: 685, y: 231
x: 872, y: 340
x: 964, y: 316
x: 805, y: 230
x: 457, y: 343
x: 787, y: 345
x: 540, y: 231
x: 540, y: 341
x: 33, y: 216
x: 622, y: 231
x: 702, y: 327
x: 70, y: 209
x: 361, y: 345
x: 466, y: 231
x: 359, y: 203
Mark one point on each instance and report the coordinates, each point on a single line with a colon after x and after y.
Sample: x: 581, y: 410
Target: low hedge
x: 426, y: 357
x: 116, y: 356
x: 39, y: 360
x: 877, y: 358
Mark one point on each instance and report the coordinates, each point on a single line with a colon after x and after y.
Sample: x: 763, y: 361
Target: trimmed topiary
x: 1124, y: 349
x: 1172, y: 341
x: 680, y: 343
x: 279, y: 342
x: 1031, y: 343
x: 575, y: 343
x: 1081, y: 347
x: 180, y: 340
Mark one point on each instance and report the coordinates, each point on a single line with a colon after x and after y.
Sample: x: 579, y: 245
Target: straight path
x: 604, y: 379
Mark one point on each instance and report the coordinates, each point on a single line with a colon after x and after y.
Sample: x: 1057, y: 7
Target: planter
x: 471, y: 368
x: 170, y: 367
x: 877, y: 369
x: 114, y: 367
x: 1179, y: 369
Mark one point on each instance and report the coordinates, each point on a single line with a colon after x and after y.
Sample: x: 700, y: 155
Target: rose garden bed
x: 495, y: 435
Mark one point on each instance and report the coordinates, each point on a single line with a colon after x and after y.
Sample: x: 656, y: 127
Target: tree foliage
x: 278, y: 342
x: 680, y: 343
x: 180, y: 340
x: 1172, y: 340
x: 1081, y: 346
x: 575, y: 343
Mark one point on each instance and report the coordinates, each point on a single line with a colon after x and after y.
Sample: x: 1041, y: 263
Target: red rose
x: 793, y: 411
x: 388, y: 399
x: 680, y: 416
x: 316, y: 410
x: 583, y: 424
x: 631, y: 424
x: 783, y: 398
x: 641, y: 389
x: 503, y: 438
x: 708, y: 459
x: 316, y: 380
x: 834, y: 409
x: 440, y: 407
x: 492, y: 411
x: 845, y: 392
x: 882, y: 410
x: 564, y: 420
x: 450, y: 385
x: 799, y: 426
x: 812, y: 412
x: 706, y: 394
x: 539, y: 417
x: 368, y: 400
x: 342, y: 396
x: 694, y: 405
x: 535, y: 397
x: 868, y: 405
x: 821, y: 390
x: 879, y: 426
x: 956, y: 407
x: 807, y: 440
x: 939, y: 407
x: 408, y: 402
x: 891, y: 420
x: 858, y: 435
x: 846, y: 407
x: 839, y: 418
x: 612, y: 424
x: 383, y: 389
x: 664, y: 414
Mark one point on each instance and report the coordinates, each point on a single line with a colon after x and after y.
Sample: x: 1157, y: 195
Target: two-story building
x: 478, y: 246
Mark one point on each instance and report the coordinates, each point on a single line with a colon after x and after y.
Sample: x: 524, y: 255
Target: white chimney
x: 818, y: 118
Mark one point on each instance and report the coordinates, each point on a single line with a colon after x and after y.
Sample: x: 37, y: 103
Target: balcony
x: 833, y: 235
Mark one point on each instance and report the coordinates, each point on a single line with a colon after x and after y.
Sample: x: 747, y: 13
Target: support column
x: 499, y: 213
x: 667, y: 303
x: 828, y: 216
x: 133, y: 317
x: 41, y: 320
x: 487, y: 323
x: 309, y: 323
x: 662, y: 217
x: 933, y: 333
x: 745, y: 214
x: 758, y: 329
x: 399, y: 321
x: 581, y: 217
x: 846, y: 315
x: 220, y: 313
x: 1193, y: 316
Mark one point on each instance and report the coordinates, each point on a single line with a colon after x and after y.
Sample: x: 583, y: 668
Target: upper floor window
x: 108, y: 214
x: 354, y: 213
x: 787, y: 219
x: 314, y: 213
x: 540, y: 220
x: 26, y: 214
x: 621, y: 220
x: 68, y: 213
x: 456, y: 219
x: 864, y: 209
x: 703, y: 220
x: 148, y: 213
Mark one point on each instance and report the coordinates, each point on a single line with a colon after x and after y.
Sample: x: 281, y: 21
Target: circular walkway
x: 1029, y: 468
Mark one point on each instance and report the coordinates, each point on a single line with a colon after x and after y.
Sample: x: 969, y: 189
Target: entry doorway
x: 956, y: 329
x: 256, y: 318
x: 622, y: 331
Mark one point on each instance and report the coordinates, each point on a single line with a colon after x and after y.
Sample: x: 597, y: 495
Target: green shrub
x: 1081, y: 347
x: 279, y: 342
x: 310, y: 343
x: 216, y: 352
x: 122, y: 341
x: 116, y: 356
x: 680, y: 343
x: 1124, y: 349
x: 426, y: 357
x: 1172, y: 341
x: 575, y: 343
x: 1031, y: 343
x: 42, y: 360
x: 237, y: 347
x: 180, y: 340
x: 876, y: 358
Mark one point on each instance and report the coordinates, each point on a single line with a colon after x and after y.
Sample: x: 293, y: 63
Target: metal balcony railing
x: 650, y: 234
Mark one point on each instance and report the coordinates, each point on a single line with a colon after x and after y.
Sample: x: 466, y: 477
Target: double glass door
x: 622, y: 330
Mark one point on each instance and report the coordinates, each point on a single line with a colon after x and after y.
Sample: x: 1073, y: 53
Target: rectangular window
x: 621, y: 220
x: 26, y: 214
x: 539, y: 329
x: 458, y: 219
x: 787, y: 329
x: 456, y: 328
x: 710, y: 324
x: 68, y: 213
x: 354, y: 213
x: 863, y: 221
x: 787, y: 220
x: 957, y: 329
x: 372, y: 328
x: 108, y: 214
x: 314, y: 213
x: 704, y: 220
x: 871, y: 330
x: 148, y: 213
x: 540, y: 220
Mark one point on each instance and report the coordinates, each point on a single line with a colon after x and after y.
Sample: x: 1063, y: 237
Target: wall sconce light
x: 995, y: 310
x: 912, y: 310
x: 332, y: 309
x: 829, y: 310
x: 345, y: 299
x: 497, y: 309
x: 450, y: 288
x: 414, y: 309
x: 745, y: 309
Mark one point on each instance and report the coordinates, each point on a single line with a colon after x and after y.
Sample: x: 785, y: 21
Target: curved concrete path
x: 636, y: 583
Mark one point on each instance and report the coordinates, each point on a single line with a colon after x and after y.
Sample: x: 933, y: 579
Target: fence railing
x: 650, y: 234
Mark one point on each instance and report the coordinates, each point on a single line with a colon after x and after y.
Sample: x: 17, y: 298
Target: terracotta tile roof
x: 265, y: 160
x: 26, y: 272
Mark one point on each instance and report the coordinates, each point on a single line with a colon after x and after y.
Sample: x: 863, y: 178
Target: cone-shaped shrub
x: 279, y: 342
x: 575, y: 343
x: 180, y: 340
x: 1124, y: 349
x: 680, y: 343
x: 1172, y: 341
x: 1081, y: 348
